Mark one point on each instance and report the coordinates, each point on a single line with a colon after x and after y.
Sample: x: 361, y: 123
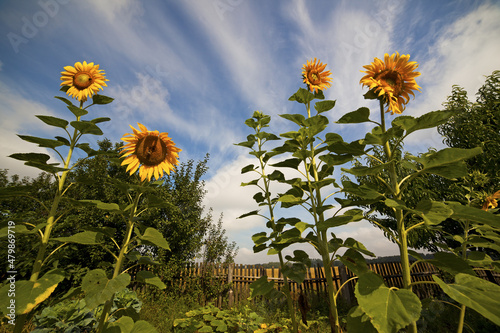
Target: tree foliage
x: 477, y: 125
x: 216, y: 246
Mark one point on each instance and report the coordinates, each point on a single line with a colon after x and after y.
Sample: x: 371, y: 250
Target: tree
x: 216, y: 247
x: 28, y: 210
x: 477, y: 125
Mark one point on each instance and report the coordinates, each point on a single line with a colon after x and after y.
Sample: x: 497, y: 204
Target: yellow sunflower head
x: 393, y: 80
x: 491, y: 201
x: 152, y: 151
x: 84, y: 80
x: 315, y: 76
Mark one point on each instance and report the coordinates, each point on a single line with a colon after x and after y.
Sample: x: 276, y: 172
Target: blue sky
x: 198, y: 69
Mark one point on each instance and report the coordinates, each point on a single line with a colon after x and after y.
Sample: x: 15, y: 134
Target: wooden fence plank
x: 241, y: 276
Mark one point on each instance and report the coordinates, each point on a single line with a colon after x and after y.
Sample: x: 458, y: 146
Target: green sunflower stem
x: 286, y: 285
x: 289, y: 300
x: 323, y: 240
x: 51, y: 221
x: 119, y: 262
x: 402, y: 233
x: 461, y: 319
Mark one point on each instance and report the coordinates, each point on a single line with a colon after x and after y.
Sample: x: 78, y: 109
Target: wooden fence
x: 239, y: 277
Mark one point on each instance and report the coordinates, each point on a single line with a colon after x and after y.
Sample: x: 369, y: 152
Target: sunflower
x: 83, y: 80
x: 154, y: 150
x: 315, y: 77
x: 393, y: 80
x: 491, y: 201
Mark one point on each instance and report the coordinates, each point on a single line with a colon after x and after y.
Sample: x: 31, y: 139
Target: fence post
x: 346, y: 291
x: 230, y: 300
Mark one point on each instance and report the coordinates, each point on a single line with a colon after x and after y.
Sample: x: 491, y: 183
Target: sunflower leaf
x: 100, y: 120
x: 354, y: 260
x: 303, y: 96
x: 150, y: 278
x: 86, y: 148
x: 250, y: 122
x: 45, y: 143
x: 358, y: 321
x: 254, y: 212
x: 30, y: 294
x: 153, y: 237
x: 53, y: 121
x: 78, y: 112
x: 433, y: 212
x: 451, y: 263
x: 389, y: 309
x: 475, y: 293
x: 296, y: 118
x: 101, y: 99
x: 473, y: 214
x: 109, y: 207
x: 362, y: 191
x: 361, y: 115
x: 64, y: 141
x: 265, y: 288
x: 379, y: 137
x: 316, y: 124
x: 355, y: 148
x: 371, y: 94
x: 98, y: 288
x: 86, y: 127
x: 31, y: 157
x: 260, y: 238
x: 297, y: 272
x: 323, y: 106
x: 447, y: 162
x: 248, y: 168
x: 85, y: 237
x: 428, y: 120
x: 68, y: 102
x: 364, y: 171
x: 253, y: 182
x: 46, y: 167
x: 249, y: 144
x: 288, y: 163
x: 332, y: 160
x: 14, y: 190
x: 334, y: 221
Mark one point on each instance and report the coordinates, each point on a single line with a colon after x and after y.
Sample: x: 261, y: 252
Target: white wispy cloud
x: 18, y: 117
x: 240, y: 38
x: 464, y: 53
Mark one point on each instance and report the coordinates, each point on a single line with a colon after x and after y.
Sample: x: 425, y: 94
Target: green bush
x: 73, y: 316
